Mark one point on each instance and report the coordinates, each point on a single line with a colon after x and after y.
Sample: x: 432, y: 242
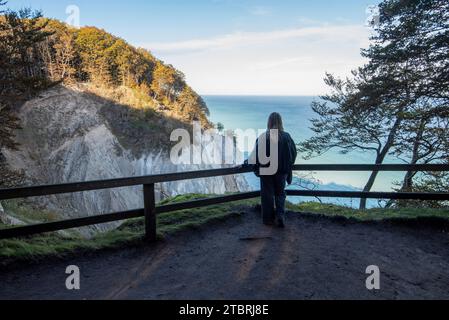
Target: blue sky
x: 281, y: 47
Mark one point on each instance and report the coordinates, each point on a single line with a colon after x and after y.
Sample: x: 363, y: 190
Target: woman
x: 273, y: 184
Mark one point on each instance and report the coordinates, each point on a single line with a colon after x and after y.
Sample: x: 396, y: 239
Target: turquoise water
x: 251, y: 112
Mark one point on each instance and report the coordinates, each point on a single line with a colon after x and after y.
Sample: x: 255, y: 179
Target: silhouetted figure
x: 275, y: 174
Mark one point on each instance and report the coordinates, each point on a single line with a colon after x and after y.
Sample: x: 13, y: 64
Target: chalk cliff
x: 67, y: 138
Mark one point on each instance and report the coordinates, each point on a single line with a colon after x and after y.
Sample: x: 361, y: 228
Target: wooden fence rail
x: 150, y: 209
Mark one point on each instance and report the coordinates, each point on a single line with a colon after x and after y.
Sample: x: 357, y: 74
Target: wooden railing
x: 150, y: 210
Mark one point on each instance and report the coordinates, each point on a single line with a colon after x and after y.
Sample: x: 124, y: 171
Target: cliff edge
x: 69, y: 134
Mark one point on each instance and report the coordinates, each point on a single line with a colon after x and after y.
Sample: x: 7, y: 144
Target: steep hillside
x: 67, y: 138
x: 94, y: 108
x: 37, y: 53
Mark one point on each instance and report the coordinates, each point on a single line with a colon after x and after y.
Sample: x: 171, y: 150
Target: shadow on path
x: 313, y: 258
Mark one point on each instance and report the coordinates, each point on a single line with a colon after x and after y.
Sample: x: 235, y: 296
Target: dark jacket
x: 287, y: 154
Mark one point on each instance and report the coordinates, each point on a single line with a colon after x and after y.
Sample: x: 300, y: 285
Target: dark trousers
x: 273, y: 193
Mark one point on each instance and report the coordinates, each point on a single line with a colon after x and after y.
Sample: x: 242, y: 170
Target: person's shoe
x: 280, y: 222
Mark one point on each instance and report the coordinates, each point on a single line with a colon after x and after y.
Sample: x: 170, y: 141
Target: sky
x: 235, y: 47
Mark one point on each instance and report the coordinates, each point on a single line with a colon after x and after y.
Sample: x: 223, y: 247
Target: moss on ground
x: 376, y: 214
x: 21, y: 210
x: 131, y: 232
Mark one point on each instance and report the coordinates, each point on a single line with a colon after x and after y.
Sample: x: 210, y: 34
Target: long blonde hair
x: 275, y: 122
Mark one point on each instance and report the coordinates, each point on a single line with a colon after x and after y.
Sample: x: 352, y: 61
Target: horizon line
x: 259, y: 95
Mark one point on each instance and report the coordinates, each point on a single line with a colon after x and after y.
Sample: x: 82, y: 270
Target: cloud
x: 304, y: 21
x: 236, y: 39
x: 278, y: 62
x: 260, y: 11
x: 267, y: 65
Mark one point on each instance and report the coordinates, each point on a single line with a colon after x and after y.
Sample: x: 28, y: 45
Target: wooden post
x: 150, y: 212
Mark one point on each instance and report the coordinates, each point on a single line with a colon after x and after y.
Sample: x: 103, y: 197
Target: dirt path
x: 314, y: 258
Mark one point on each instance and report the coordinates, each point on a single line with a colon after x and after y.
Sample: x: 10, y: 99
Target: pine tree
x: 402, y: 91
x: 20, y: 66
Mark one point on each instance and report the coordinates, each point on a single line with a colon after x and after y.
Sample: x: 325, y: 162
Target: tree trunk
x: 407, y: 184
x: 371, y: 181
x: 381, y: 157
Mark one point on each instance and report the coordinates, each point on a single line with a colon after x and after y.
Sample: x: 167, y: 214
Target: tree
x: 97, y: 58
x: 21, y: 68
x: 192, y: 106
x: 220, y: 126
x: 433, y: 182
x: 424, y: 139
x: 416, y: 33
x: 353, y: 117
x: 36, y: 52
x: 58, y: 52
x: 8, y: 123
x: 399, y: 95
x: 167, y: 82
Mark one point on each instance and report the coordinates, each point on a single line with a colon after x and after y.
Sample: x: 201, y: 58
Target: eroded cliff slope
x: 70, y: 134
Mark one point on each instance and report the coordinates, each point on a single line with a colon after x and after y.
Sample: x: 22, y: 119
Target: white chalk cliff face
x: 66, y: 139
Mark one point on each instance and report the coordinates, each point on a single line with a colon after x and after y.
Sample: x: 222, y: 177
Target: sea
x: 251, y: 112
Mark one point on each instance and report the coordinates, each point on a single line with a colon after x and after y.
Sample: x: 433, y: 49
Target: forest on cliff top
x: 36, y: 53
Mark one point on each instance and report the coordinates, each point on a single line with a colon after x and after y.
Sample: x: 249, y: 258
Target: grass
x: 131, y: 231
x: 376, y: 214
x: 21, y: 210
